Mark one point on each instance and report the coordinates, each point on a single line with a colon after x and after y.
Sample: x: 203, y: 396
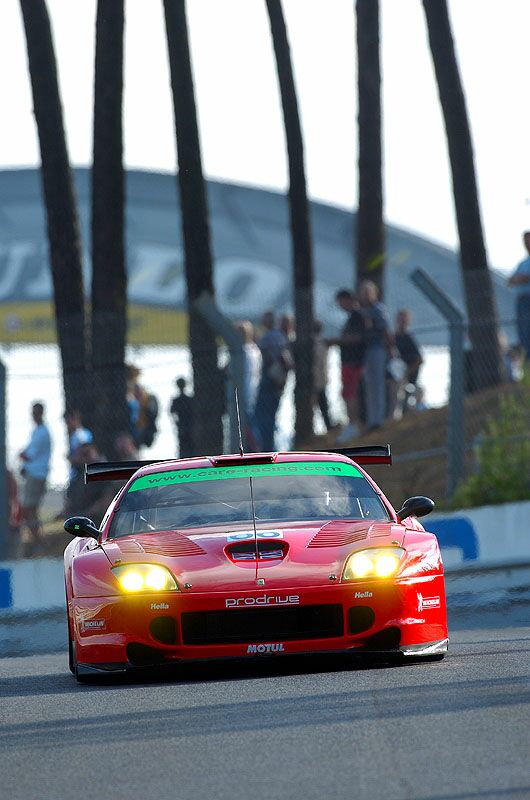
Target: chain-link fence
x: 418, y: 422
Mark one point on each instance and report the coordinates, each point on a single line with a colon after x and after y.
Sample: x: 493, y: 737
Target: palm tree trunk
x: 208, y: 390
x: 109, y: 278
x: 61, y: 213
x: 300, y: 229
x: 370, y: 227
x: 478, y: 289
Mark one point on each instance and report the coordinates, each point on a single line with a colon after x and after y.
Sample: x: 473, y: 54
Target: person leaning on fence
x: 352, y: 343
x: 411, y: 358
x: 520, y: 280
x: 277, y: 361
x: 379, y: 342
x: 407, y: 347
x: 35, y: 459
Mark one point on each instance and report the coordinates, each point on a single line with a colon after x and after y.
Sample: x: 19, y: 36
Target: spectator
x: 407, y: 347
x: 320, y: 373
x: 520, y: 280
x: 352, y: 343
x: 143, y: 409
x: 287, y: 327
x: 90, y: 500
x: 277, y: 361
x: 77, y: 436
x: 181, y: 410
x: 253, y: 364
x: 36, y: 464
x: 378, y: 351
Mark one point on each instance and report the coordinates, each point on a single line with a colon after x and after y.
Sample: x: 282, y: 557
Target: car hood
x: 221, y: 559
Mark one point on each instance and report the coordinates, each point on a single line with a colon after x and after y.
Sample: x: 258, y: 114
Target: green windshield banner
x: 179, y: 476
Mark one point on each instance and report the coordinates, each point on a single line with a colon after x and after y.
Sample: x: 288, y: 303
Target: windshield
x: 283, y: 493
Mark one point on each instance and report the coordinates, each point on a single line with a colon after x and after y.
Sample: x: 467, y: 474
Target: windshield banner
x: 175, y: 477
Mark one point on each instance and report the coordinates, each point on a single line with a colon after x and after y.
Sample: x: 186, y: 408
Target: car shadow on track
x: 241, y: 715
x: 197, y: 672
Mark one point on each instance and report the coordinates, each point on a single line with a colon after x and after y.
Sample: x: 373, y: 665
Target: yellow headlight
x: 145, y: 578
x: 131, y: 581
x: 360, y: 565
x: 386, y: 565
x: 380, y: 562
x: 156, y: 579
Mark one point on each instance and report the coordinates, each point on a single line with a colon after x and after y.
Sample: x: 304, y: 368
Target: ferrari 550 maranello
x: 251, y: 556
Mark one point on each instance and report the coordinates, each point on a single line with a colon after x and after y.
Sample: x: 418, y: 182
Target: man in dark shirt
x: 407, y: 347
x: 378, y: 349
x: 352, y: 343
x: 181, y: 410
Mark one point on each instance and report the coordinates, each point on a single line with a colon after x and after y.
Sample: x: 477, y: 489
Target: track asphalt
x: 283, y: 728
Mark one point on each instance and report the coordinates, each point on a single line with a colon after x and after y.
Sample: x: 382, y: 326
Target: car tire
x: 72, y: 662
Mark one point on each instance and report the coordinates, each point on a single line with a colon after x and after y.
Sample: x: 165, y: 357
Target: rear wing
x: 116, y: 470
x: 123, y: 470
x: 372, y: 454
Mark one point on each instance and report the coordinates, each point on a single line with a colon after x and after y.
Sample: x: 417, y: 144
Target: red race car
x: 252, y: 555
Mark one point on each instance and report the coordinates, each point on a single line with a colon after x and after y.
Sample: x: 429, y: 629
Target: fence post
x: 4, y: 513
x: 455, y: 415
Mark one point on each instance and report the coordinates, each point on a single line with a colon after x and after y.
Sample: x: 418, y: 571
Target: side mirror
x: 415, y: 507
x: 81, y: 526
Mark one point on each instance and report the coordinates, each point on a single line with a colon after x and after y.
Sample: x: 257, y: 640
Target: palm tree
x: 208, y: 388
x: 300, y: 229
x: 61, y: 212
x: 109, y: 279
x: 370, y: 227
x: 478, y: 289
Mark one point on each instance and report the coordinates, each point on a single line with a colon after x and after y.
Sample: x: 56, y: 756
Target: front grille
x: 262, y: 624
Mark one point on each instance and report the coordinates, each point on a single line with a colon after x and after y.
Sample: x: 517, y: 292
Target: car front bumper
x: 407, y: 616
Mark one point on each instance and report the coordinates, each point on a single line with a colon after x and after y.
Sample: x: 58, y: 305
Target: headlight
x: 381, y: 562
x: 145, y: 578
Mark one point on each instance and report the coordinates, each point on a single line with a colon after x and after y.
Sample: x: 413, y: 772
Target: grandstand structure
x: 252, y: 251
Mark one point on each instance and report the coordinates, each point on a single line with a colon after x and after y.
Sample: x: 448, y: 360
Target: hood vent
x: 336, y: 534
x: 272, y: 550
x: 166, y: 544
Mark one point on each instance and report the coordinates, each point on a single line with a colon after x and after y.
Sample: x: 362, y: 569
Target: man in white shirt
x: 520, y: 280
x: 77, y: 436
x: 36, y: 464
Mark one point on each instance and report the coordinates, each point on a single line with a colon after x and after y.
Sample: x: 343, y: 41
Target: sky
x: 240, y: 114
